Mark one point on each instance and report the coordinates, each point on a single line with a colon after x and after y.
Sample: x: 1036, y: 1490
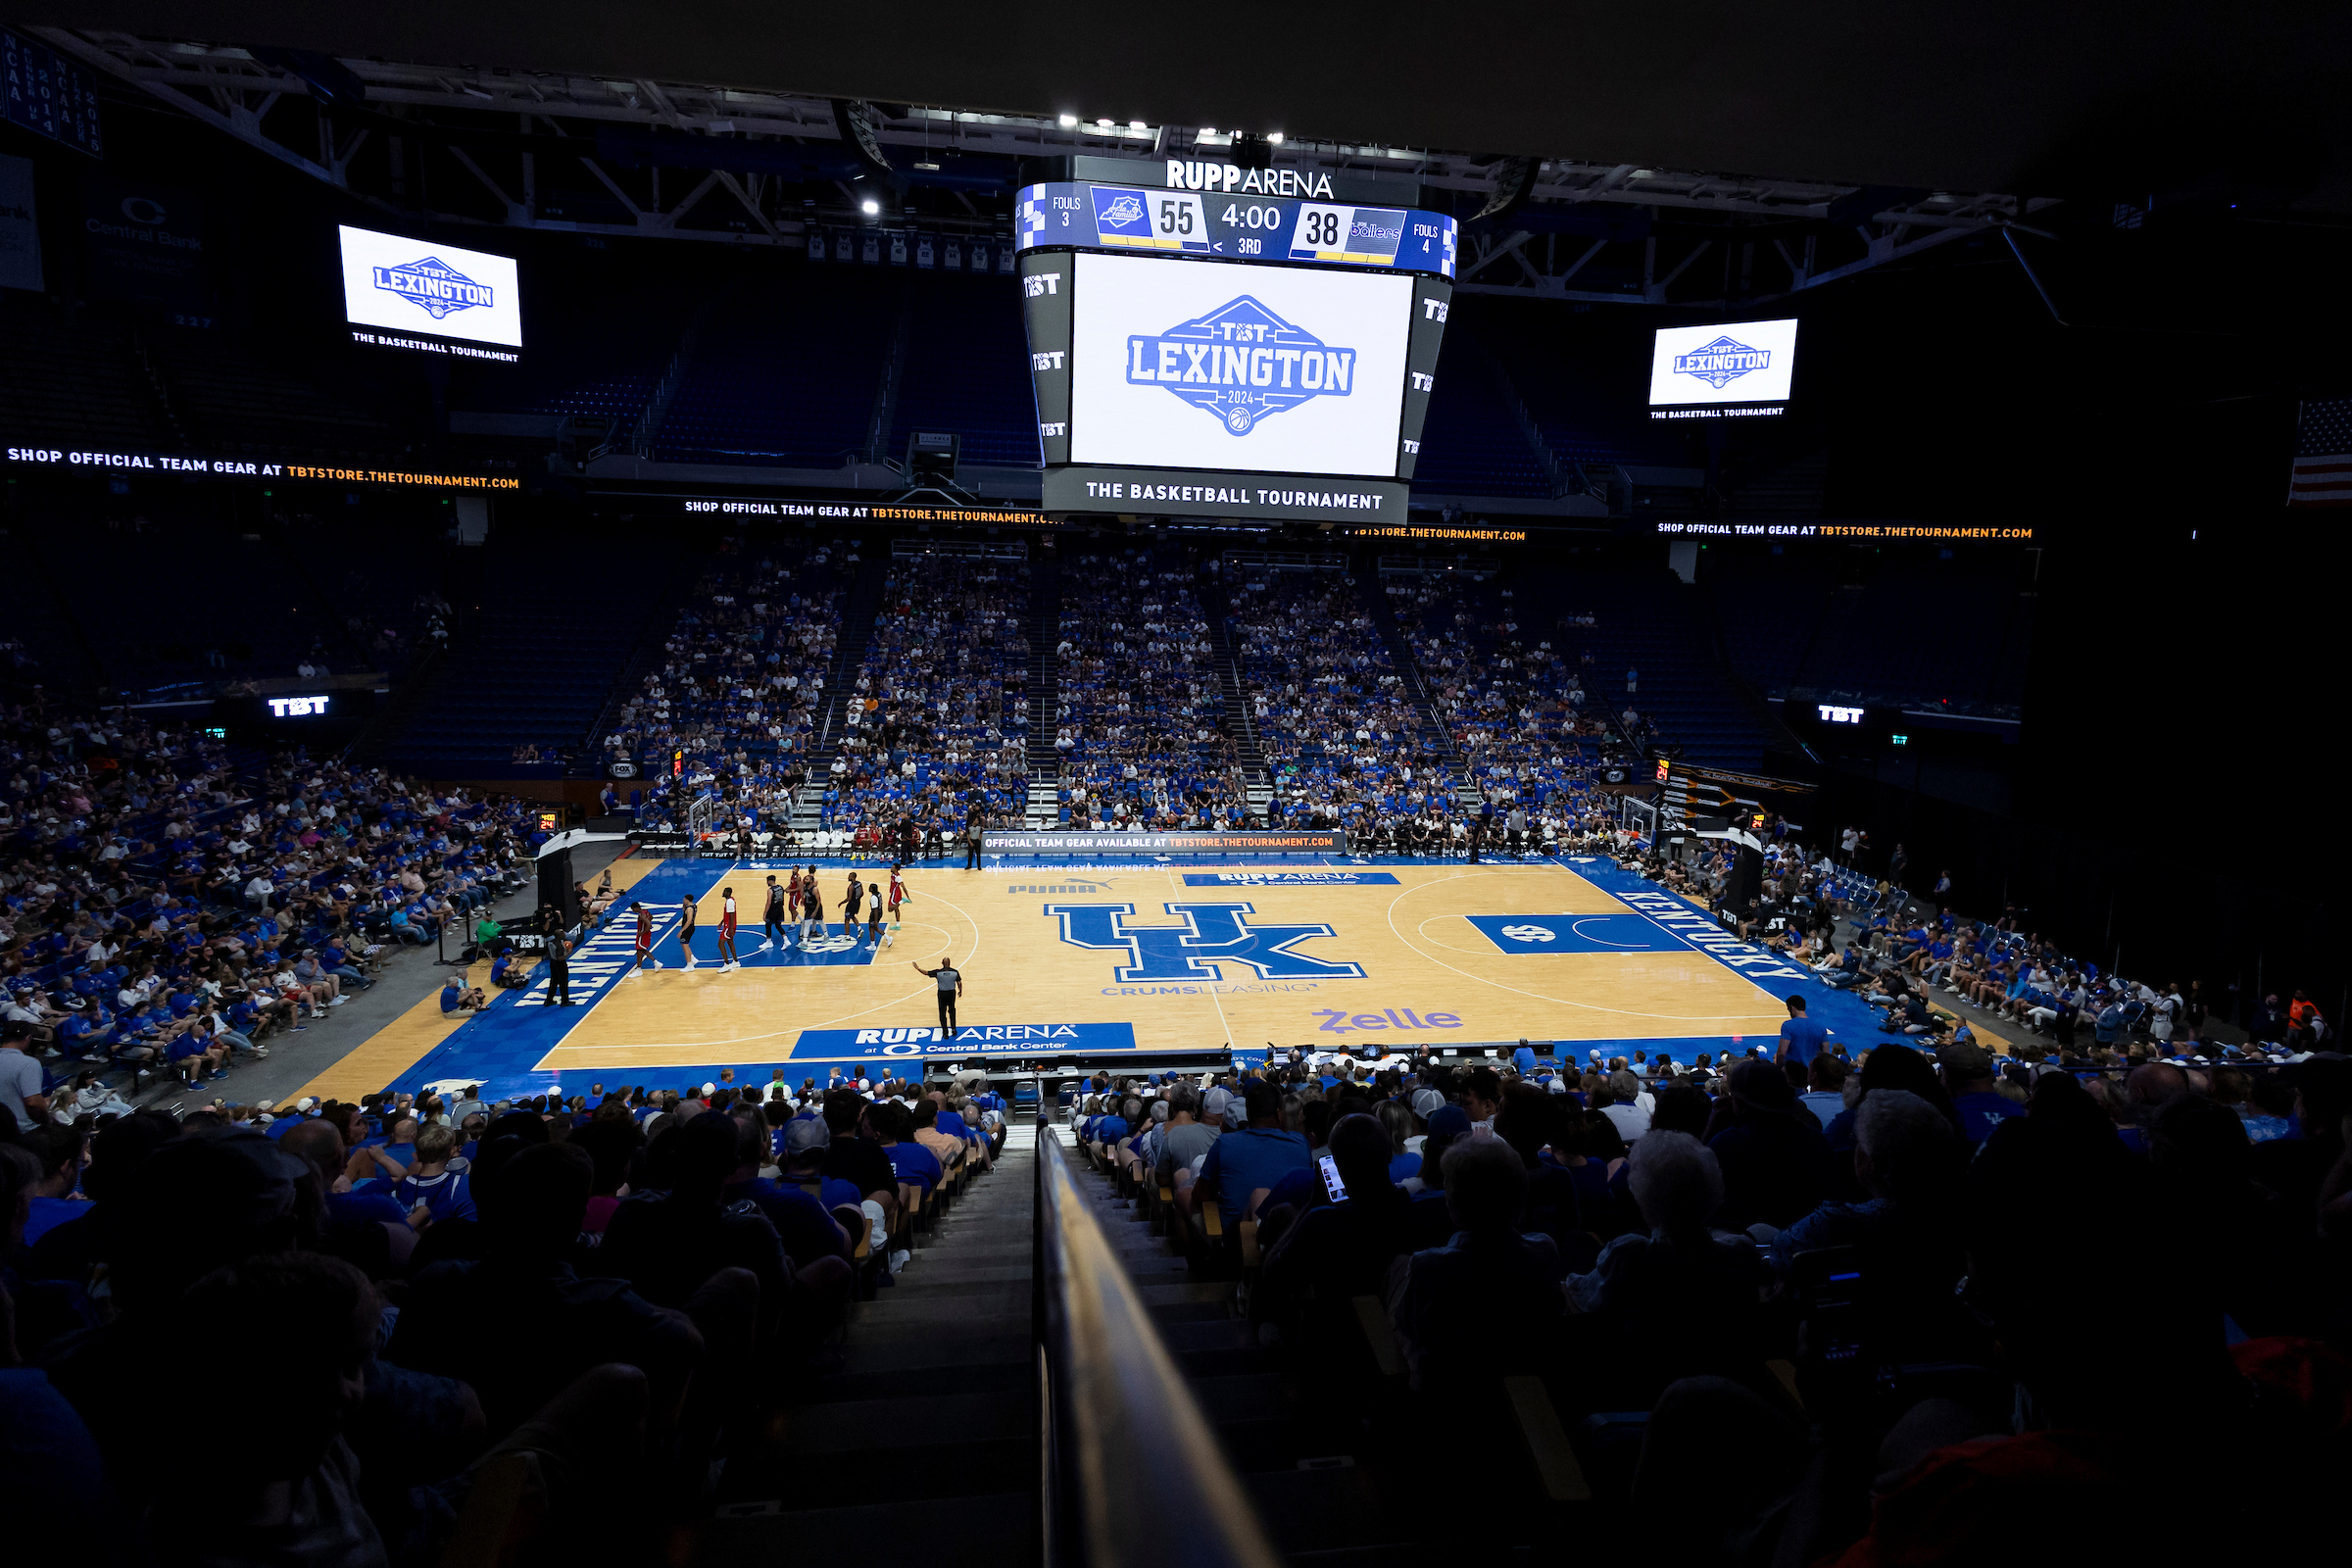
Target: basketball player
x: 873, y: 918
x: 645, y: 937
x: 795, y: 903
x: 813, y: 908
x: 686, y: 929
x: 898, y: 891
x: 850, y: 902
x: 772, y: 916
x: 950, y: 987
x: 727, y: 930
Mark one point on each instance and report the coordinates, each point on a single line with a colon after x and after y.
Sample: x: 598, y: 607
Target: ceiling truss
x: 1587, y: 232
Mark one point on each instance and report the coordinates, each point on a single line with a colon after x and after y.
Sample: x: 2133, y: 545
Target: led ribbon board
x: 1235, y: 226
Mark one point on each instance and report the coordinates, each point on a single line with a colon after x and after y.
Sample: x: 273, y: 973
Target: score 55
x: 1179, y: 218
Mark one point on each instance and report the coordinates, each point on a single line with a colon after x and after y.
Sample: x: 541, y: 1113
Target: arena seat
x: 790, y: 377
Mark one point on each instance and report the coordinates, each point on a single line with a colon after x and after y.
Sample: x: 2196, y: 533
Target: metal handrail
x: 1132, y: 1475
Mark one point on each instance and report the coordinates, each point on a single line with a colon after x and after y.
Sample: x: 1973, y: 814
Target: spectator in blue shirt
x: 892, y: 1128
x: 1968, y: 1079
x: 87, y: 1030
x: 1252, y: 1157
x: 445, y: 1194
x: 1801, y: 1038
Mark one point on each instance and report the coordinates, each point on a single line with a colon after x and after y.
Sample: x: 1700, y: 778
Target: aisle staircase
x: 1400, y: 655
x: 1216, y: 607
x: 1045, y: 691
x: 1315, y: 1484
x: 928, y: 1431
x: 857, y: 612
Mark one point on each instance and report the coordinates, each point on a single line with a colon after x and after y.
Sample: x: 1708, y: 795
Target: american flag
x: 2323, y: 471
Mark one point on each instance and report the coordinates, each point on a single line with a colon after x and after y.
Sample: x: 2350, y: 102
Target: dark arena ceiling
x: 2033, y: 97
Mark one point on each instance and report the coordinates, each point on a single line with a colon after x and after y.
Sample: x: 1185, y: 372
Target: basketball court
x: 1124, y: 958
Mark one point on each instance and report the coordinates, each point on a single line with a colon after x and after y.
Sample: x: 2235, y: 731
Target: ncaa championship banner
x: 1071, y: 846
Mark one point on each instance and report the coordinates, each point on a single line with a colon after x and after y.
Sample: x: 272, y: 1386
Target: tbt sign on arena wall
x: 419, y: 286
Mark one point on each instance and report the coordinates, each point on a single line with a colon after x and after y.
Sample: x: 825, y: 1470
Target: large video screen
x: 1230, y: 367
x: 1737, y: 362
x: 415, y: 286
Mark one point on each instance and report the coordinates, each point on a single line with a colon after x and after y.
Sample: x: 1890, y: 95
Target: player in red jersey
x: 727, y: 930
x: 898, y: 891
x: 644, y: 937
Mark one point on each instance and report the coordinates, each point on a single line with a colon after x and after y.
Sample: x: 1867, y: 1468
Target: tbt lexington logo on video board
x: 1267, y: 370
x: 417, y: 285
x: 1741, y: 362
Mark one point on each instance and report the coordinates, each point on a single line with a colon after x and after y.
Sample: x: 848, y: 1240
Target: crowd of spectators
x: 1140, y: 729
x: 431, y: 1315
x: 171, y: 903
x: 1343, y: 741
x: 1903, y: 1304
x: 1514, y: 704
x: 741, y: 686
x: 936, y: 723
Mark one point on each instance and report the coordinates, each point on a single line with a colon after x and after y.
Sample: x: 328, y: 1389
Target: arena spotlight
x: 1136, y: 124
x: 1102, y: 123
x: 1209, y: 130
x: 869, y: 206
x: 1070, y: 121
x: 1274, y: 137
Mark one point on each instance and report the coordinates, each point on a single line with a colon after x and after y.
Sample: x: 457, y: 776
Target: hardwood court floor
x: 1403, y: 962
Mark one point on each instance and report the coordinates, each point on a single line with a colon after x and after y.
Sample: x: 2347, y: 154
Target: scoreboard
x: 1249, y: 229
x: 1231, y: 353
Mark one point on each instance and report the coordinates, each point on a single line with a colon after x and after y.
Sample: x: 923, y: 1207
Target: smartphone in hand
x: 1333, y: 1187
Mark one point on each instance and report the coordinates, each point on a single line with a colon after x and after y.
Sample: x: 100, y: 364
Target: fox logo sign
x: 1241, y: 362
x: 1211, y: 934
x: 433, y: 286
x: 1722, y: 361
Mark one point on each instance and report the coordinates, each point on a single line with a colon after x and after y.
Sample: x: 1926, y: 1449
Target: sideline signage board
x: 1303, y: 841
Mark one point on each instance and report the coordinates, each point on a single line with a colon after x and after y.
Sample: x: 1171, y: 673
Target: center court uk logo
x: 1211, y: 934
x: 433, y: 286
x: 1241, y: 362
x: 1722, y: 362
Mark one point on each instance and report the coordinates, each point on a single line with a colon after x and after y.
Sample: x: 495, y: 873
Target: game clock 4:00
x: 1260, y: 229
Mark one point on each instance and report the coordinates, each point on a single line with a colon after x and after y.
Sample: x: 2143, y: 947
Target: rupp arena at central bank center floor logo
x: 433, y: 286
x: 1723, y: 361
x: 1241, y: 362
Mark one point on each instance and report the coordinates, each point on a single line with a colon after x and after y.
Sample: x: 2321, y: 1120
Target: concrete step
x: 911, y: 1348
x: 955, y: 1268
x: 1012, y: 1379
x: 759, y: 1532
x: 908, y: 1303
x: 872, y: 1425
x: 880, y: 1333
